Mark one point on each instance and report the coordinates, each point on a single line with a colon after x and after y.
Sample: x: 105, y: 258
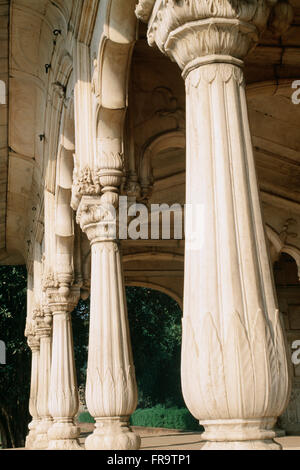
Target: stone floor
x: 188, y: 441
x: 164, y: 439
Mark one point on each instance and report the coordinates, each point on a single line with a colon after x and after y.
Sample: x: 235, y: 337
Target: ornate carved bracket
x: 105, y: 179
x: 85, y: 183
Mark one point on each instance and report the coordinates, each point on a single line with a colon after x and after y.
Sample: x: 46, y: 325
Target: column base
x: 30, y: 440
x: 113, y: 434
x: 64, y: 436
x: 240, y: 434
x: 32, y: 435
x: 42, y: 441
x: 65, y: 444
x: 280, y: 432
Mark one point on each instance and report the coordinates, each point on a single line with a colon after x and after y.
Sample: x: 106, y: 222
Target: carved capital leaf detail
x: 209, y: 73
x: 188, y: 29
x: 97, y: 219
x: 63, y: 299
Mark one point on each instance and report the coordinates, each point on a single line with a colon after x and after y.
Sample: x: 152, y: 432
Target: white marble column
x: 63, y: 394
x: 43, y: 331
x: 111, y: 391
x: 34, y: 344
x: 235, y: 375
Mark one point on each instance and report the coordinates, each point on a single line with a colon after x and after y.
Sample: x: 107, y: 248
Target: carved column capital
x: 191, y: 31
x: 33, y: 342
x: 43, y: 322
x: 97, y: 219
x: 33, y: 339
x: 62, y: 299
x: 49, y: 280
x: 30, y: 329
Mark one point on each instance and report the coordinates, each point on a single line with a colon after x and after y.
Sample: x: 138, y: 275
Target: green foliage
x: 80, y: 325
x: 155, y: 328
x: 85, y: 417
x: 158, y: 416
x: 155, y: 323
x: 161, y: 417
x: 15, y: 375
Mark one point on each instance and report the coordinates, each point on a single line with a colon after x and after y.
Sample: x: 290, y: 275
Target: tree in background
x: 155, y: 327
x: 15, y: 375
x: 80, y: 325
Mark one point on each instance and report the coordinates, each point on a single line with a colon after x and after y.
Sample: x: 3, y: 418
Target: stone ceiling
x: 24, y: 145
x: 28, y: 49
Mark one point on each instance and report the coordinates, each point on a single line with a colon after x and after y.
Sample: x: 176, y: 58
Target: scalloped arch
x: 158, y: 287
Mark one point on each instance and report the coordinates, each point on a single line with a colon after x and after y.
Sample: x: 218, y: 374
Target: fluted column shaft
x: 231, y: 328
x: 235, y: 376
x: 111, y: 391
x: 34, y: 345
x: 43, y: 330
x: 111, y: 394
x: 63, y: 395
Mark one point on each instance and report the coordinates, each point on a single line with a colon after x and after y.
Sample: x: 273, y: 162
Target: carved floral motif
x: 63, y: 299
x: 209, y: 73
x: 85, y: 183
x: 106, y: 178
x: 50, y: 280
